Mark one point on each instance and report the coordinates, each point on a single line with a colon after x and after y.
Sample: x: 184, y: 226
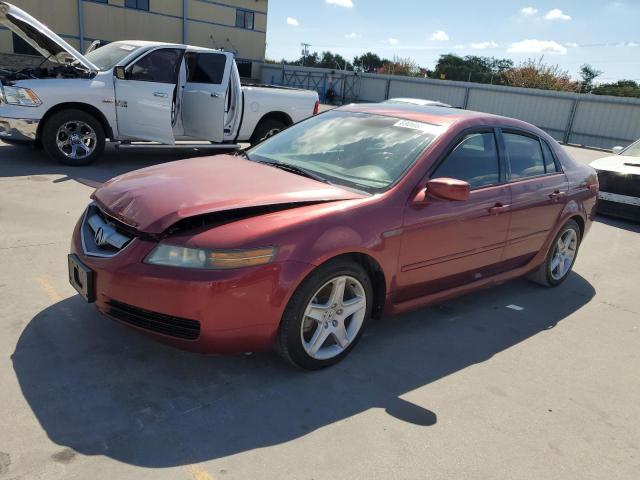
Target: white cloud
x: 352, y: 35
x: 292, y: 21
x: 538, y: 46
x: 571, y: 44
x: 341, y: 3
x: 529, y: 11
x: 556, y: 14
x: 393, y: 41
x: 483, y: 45
x: 633, y: 44
x: 439, y: 36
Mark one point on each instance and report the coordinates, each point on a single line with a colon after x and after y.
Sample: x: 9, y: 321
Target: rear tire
x: 561, y: 257
x: 73, y: 137
x: 319, y: 316
x: 265, y: 129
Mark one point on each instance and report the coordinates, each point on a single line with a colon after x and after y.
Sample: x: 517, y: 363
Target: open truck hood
x: 40, y: 37
x: 153, y: 199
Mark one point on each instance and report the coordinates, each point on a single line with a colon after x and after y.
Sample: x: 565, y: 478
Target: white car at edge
x: 135, y: 91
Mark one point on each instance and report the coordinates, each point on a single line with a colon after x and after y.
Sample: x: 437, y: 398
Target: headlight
x: 21, y: 96
x: 174, y: 256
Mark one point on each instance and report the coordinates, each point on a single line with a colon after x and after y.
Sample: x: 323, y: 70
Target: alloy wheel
x: 333, y: 317
x: 564, y: 254
x: 76, y: 139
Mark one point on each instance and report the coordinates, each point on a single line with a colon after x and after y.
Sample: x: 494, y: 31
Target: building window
x: 244, y: 19
x: 137, y: 4
x: 22, y: 47
x: 98, y: 1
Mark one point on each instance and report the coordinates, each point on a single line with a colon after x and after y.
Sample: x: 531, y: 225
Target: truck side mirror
x: 119, y: 73
x: 617, y: 150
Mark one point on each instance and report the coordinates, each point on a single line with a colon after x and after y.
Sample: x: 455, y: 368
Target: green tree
x: 472, y: 68
x: 621, y: 88
x: 588, y: 74
x: 369, y: 62
x: 535, y: 74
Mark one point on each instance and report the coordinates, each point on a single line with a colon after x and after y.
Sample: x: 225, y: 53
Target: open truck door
x: 146, y: 95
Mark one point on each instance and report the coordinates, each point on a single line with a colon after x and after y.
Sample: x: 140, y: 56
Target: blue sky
x: 605, y: 34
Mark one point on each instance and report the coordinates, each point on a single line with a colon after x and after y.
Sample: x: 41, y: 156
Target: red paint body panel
x: 428, y: 249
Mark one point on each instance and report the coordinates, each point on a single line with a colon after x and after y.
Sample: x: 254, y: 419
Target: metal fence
x: 573, y: 118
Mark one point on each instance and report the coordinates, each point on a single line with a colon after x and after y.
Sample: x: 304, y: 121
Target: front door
x: 204, y: 98
x: 539, y: 194
x: 449, y: 243
x: 146, y: 97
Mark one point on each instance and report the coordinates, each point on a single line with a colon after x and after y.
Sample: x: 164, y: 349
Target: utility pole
x: 305, y: 52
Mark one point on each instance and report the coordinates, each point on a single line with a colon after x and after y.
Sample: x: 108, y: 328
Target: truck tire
x: 73, y: 137
x: 265, y: 129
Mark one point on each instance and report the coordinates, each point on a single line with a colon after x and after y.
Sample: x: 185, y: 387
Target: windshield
x: 108, y: 56
x: 368, y: 152
x: 632, y: 150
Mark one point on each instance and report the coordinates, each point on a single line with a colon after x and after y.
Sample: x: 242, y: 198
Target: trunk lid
x: 153, y: 199
x: 40, y: 37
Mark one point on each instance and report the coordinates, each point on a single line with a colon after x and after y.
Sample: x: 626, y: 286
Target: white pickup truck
x: 132, y: 91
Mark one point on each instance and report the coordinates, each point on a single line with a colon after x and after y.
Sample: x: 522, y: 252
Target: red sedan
x: 360, y: 211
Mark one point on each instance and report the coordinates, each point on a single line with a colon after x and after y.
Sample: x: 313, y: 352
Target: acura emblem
x: 100, y: 237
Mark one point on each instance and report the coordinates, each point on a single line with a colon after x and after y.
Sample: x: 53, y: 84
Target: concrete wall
x: 590, y: 120
x: 208, y: 23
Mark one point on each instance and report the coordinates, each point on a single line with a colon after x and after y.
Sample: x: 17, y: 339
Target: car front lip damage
x: 223, y: 302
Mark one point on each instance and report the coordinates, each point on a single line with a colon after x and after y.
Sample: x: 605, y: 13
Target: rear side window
x: 161, y: 66
x: 205, y: 67
x: 525, y: 156
x: 549, y: 162
x: 473, y: 160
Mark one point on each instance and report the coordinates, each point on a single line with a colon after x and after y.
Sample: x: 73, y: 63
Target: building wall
x: 209, y: 23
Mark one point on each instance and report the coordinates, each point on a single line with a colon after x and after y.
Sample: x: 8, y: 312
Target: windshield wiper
x: 297, y: 170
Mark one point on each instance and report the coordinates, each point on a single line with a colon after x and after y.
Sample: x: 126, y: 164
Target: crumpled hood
x: 153, y: 199
x: 618, y: 163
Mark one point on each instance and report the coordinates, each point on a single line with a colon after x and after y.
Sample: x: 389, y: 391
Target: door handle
x: 160, y: 94
x: 557, y: 195
x: 215, y: 95
x: 499, y: 208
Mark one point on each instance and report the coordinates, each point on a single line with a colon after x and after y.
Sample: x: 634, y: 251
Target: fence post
x: 572, y: 116
x: 466, y: 97
x: 386, y: 92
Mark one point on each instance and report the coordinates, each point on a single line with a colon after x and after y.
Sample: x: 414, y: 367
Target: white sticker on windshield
x: 128, y: 48
x: 423, y: 127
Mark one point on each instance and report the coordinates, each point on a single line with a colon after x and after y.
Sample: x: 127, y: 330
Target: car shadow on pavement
x: 619, y: 223
x: 24, y: 160
x: 100, y: 389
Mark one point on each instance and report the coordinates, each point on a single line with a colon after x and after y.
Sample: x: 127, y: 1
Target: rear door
x: 204, y: 97
x: 539, y: 193
x: 146, y: 97
x: 449, y: 243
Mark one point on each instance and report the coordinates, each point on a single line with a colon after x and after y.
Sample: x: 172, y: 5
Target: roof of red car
x: 430, y: 114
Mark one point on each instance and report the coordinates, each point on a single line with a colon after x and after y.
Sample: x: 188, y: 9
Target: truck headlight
x: 20, y: 96
x: 175, y: 256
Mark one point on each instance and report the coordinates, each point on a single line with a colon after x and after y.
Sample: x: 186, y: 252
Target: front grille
x: 622, y: 184
x: 103, y: 236
x: 155, y: 322
x: 622, y: 210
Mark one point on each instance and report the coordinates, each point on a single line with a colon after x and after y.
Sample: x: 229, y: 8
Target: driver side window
x: 160, y: 66
x: 473, y: 160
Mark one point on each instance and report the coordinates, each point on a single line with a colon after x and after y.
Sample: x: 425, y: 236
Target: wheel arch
x: 373, y: 269
x: 276, y: 115
x: 85, y: 107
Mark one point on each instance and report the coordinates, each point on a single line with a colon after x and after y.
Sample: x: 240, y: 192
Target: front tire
x: 326, y: 316
x: 73, y: 137
x: 561, y: 257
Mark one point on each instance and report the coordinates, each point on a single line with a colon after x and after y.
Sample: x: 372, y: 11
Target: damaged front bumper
x: 18, y: 128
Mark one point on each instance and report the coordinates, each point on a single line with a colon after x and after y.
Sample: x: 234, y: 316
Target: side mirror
x: 119, y: 73
x: 448, y: 189
x: 617, y: 150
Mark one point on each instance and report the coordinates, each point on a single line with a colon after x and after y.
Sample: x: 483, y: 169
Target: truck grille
x: 622, y: 184
x: 155, y: 322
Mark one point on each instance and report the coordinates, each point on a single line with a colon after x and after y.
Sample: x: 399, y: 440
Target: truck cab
x: 135, y: 91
